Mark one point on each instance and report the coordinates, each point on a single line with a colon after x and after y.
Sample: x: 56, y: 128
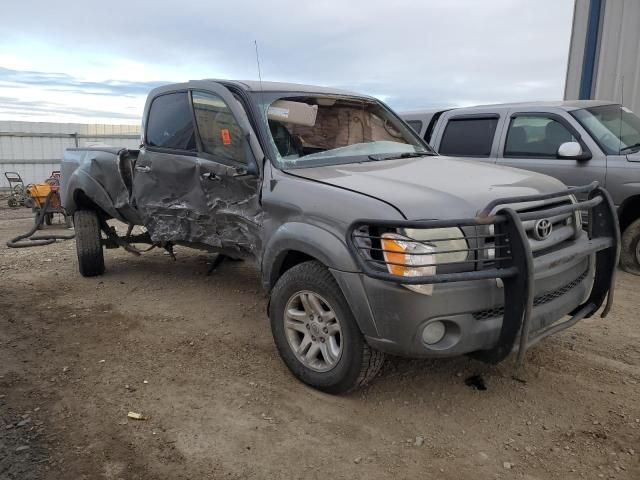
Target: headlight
x: 456, y: 242
x: 404, y: 256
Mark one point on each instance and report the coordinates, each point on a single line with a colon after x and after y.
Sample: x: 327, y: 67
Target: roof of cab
x: 257, y: 86
x: 568, y: 105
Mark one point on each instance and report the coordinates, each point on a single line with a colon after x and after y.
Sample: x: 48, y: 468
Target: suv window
x: 170, y: 124
x: 219, y: 132
x: 416, y: 125
x: 471, y: 137
x: 535, y: 136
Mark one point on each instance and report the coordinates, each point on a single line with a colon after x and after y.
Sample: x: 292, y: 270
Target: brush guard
x: 513, y: 262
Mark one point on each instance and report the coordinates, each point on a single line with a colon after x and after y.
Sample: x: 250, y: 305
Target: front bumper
x: 485, y: 315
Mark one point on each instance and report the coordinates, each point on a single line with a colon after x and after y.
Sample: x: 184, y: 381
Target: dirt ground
x: 194, y: 355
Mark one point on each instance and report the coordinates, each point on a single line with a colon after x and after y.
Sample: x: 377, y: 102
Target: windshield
x: 309, y: 131
x: 614, y: 127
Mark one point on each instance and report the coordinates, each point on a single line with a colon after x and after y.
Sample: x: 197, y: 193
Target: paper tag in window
x: 226, y: 136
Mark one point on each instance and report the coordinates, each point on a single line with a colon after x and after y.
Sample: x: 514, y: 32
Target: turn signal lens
x: 394, y: 255
x: 405, y: 257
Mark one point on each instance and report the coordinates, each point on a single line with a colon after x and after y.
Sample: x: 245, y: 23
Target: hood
x: 433, y: 187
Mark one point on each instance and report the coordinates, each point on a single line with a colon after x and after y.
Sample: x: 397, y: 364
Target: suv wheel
x: 315, y: 331
x: 88, y: 243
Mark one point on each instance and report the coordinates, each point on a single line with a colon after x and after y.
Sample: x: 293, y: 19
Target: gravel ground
x: 193, y: 354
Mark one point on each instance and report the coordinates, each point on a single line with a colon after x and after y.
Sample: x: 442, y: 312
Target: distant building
x: 34, y: 149
x: 604, y: 56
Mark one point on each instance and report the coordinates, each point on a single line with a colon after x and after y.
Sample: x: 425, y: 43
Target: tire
x: 630, y: 248
x: 12, y: 202
x: 88, y: 243
x: 355, y: 365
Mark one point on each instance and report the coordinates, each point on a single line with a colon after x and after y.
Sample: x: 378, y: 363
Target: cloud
x: 30, y: 109
x: 413, y: 53
x: 64, y: 82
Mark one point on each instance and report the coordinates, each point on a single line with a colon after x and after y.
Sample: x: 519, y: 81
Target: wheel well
x: 628, y: 212
x: 291, y: 259
x: 83, y: 202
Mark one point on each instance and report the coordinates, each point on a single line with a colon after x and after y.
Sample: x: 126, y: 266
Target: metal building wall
x: 616, y: 69
x: 34, y: 149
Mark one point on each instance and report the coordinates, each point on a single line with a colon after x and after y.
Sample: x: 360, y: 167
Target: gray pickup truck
x: 366, y: 240
x: 576, y: 142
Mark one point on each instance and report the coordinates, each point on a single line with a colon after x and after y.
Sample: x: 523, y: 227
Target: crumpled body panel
x: 95, y: 173
x: 185, y: 199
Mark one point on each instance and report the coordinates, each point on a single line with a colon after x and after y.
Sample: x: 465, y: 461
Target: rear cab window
x: 469, y: 135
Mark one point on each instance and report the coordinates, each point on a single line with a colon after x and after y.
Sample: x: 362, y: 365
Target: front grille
x: 537, y: 301
x: 563, y: 229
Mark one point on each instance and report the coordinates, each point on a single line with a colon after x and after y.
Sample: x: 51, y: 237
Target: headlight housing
x: 405, y: 257
x: 455, y: 242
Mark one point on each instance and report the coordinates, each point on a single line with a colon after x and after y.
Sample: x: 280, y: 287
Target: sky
x: 94, y: 62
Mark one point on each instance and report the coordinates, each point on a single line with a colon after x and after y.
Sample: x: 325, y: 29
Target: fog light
x: 433, y: 332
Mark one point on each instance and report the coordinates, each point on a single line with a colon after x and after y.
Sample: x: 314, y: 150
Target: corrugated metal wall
x: 34, y: 149
x: 617, y: 58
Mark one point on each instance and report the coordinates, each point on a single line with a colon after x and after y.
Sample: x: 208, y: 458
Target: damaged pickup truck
x: 366, y: 240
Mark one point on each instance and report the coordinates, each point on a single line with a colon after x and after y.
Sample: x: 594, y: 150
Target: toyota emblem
x: 542, y: 229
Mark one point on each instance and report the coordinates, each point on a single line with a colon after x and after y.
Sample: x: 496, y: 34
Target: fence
x: 34, y: 149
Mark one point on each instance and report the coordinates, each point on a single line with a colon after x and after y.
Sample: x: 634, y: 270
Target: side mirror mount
x: 572, y: 150
x: 253, y: 154
x: 251, y: 169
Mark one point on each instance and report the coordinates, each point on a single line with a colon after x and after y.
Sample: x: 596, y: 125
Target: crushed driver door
x: 197, y: 179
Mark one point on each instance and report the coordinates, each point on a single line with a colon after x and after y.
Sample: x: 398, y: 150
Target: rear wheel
x: 630, y: 248
x: 88, y: 243
x: 316, y: 334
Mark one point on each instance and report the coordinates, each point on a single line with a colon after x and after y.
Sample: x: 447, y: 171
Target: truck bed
x: 101, y: 176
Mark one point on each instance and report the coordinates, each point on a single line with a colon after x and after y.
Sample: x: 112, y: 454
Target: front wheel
x: 316, y: 334
x: 88, y: 243
x: 630, y: 248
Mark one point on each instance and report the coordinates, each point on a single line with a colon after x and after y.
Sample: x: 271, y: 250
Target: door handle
x: 143, y: 168
x: 210, y: 176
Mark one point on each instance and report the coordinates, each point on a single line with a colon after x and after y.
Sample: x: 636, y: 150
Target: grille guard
x: 516, y: 265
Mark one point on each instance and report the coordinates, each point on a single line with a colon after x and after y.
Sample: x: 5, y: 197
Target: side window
x: 170, y: 124
x: 416, y: 125
x: 470, y: 137
x: 535, y: 136
x: 219, y: 132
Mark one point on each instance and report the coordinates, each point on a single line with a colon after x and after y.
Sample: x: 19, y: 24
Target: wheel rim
x: 313, y: 331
